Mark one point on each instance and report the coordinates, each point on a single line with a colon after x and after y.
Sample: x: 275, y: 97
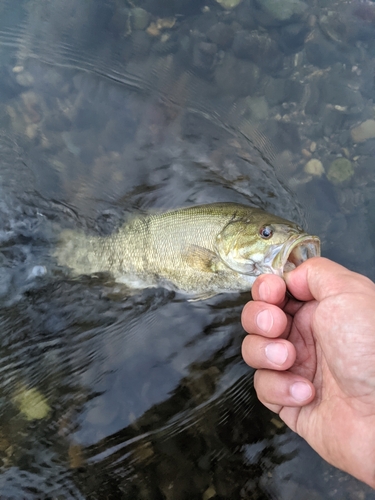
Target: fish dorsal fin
x: 201, y: 259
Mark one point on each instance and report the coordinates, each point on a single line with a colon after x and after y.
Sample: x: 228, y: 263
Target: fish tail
x: 76, y: 251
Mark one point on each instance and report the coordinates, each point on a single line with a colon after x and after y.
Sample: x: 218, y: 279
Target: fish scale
x: 201, y: 250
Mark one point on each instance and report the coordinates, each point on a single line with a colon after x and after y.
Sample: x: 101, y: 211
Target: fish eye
x: 266, y: 232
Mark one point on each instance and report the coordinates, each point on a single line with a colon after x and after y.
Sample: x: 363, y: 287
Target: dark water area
x: 114, y: 108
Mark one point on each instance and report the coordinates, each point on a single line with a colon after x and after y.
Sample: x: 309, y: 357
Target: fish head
x: 265, y: 244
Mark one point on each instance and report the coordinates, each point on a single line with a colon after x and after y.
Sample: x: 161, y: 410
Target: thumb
x: 318, y: 278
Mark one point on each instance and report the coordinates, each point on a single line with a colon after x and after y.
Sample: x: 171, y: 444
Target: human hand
x: 315, y: 359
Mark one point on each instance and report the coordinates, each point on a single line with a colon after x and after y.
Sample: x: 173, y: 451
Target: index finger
x: 269, y: 288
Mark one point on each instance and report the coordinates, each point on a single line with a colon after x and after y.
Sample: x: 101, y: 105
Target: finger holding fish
x: 260, y: 318
x: 267, y: 346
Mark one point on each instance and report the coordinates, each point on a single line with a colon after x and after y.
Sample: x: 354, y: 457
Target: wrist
x: 360, y: 450
x: 346, y: 439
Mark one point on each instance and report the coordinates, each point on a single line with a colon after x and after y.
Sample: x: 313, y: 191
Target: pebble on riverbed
x: 31, y: 403
x: 314, y: 167
x: 283, y: 11
x: 364, y: 131
x: 229, y: 4
x: 340, y: 170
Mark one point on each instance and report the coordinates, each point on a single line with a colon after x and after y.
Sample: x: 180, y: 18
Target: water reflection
x: 109, y: 109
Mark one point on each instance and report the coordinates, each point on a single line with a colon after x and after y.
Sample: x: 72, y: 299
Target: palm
x: 330, y: 355
x: 326, y: 339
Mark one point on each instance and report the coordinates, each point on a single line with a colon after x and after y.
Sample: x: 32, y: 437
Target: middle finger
x: 263, y: 319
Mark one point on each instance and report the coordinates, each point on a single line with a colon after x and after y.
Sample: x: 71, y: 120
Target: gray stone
x: 336, y: 92
x: 323, y: 53
x: 221, y: 34
x: 364, y: 131
x: 275, y: 91
x: 340, y: 170
x: 283, y: 10
x: 291, y: 37
x: 204, y: 55
x: 229, y: 4
x: 258, y: 108
x: 236, y: 77
x: 259, y: 48
x: 25, y: 79
x: 139, y: 44
x: 140, y: 18
x: 314, y: 167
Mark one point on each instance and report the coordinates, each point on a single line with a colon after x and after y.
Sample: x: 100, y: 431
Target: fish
x: 199, y: 251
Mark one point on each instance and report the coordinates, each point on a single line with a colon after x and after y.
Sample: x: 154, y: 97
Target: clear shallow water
x: 146, y: 396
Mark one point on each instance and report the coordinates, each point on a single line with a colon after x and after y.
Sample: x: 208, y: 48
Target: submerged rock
x: 350, y: 24
x: 282, y: 11
x: 235, y: 76
x: 221, y: 34
x: 364, y: 131
x: 259, y: 48
x: 340, y: 170
x: 323, y: 53
x: 203, y: 57
x: 140, y: 18
x: 314, y: 167
x: 229, y: 4
x: 257, y: 107
x: 31, y: 403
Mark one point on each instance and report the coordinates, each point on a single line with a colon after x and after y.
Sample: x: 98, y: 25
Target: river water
x: 110, y: 108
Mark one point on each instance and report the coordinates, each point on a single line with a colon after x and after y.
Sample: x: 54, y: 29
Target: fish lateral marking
x: 200, y: 251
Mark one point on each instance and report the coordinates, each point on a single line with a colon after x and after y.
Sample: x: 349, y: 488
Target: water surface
x: 111, y: 108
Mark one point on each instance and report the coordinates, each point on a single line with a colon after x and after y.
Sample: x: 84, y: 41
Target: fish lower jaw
x: 295, y: 253
x: 289, y: 266
x: 268, y: 269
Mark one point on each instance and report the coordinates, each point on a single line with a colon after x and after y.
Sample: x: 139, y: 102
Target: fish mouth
x: 294, y: 252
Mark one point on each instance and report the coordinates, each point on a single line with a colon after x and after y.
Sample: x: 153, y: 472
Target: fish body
x: 201, y: 250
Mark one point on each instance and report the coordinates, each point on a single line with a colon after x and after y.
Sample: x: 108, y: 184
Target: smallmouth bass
x: 201, y: 250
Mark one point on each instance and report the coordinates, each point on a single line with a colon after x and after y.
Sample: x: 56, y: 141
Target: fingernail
x: 300, y: 391
x: 264, y: 291
x: 264, y: 320
x: 276, y: 352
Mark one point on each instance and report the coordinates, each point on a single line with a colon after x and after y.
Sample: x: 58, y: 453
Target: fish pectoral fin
x: 203, y: 296
x: 201, y: 259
